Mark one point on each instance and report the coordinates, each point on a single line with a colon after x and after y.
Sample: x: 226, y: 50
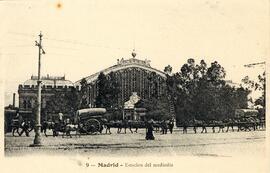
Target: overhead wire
x: 22, y: 34
x: 17, y: 46
x: 74, y: 42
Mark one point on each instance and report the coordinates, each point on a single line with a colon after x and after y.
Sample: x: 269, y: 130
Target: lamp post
x: 37, y: 139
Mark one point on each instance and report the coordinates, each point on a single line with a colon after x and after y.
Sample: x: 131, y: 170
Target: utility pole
x: 37, y: 140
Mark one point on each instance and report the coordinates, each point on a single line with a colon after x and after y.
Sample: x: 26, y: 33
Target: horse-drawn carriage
x: 90, y: 120
x: 85, y: 121
x: 246, y: 119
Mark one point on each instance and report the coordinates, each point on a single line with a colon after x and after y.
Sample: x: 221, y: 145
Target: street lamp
x: 37, y: 139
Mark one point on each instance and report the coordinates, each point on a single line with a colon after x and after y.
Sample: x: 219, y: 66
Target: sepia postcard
x: 134, y: 86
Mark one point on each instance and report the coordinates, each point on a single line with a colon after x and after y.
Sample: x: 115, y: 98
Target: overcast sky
x: 86, y: 36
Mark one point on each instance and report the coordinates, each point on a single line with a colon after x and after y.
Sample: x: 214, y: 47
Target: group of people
x: 20, y: 123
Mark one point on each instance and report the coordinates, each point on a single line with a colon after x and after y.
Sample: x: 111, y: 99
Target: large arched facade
x: 133, y: 75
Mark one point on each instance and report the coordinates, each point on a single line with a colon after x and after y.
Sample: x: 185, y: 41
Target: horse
x: 245, y: 124
x: 47, y: 125
x: 164, y: 126
x: 108, y: 126
x: 157, y: 125
x: 185, y: 126
x: 230, y: 123
x: 219, y: 124
x: 257, y: 123
x: 119, y: 124
x: 136, y: 124
x: 123, y: 125
x: 261, y: 123
x: 15, y: 125
x: 68, y: 128
x: 199, y: 123
x: 26, y: 125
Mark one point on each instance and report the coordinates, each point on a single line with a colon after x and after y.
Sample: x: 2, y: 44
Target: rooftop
x: 49, y: 80
x: 123, y: 64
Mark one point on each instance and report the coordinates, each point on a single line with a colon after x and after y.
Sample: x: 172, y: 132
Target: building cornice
x: 121, y: 65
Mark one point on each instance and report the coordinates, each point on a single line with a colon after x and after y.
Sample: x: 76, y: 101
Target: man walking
x: 149, y: 130
x: 171, y: 126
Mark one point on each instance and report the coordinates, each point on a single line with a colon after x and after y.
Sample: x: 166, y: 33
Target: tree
x: 73, y: 99
x: 258, y: 85
x: 153, y: 85
x: 108, y: 90
x: 83, y: 94
x: 261, y: 86
x: 201, y: 92
x: 216, y: 73
x: 168, y: 69
x: 66, y: 102
x: 102, y: 84
x: 157, y: 108
x: 113, y: 90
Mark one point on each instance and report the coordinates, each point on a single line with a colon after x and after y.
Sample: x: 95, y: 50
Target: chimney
x: 14, y: 99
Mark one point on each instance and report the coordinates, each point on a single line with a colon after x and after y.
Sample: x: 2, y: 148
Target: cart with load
x: 246, y: 119
x: 246, y: 113
x: 90, y: 120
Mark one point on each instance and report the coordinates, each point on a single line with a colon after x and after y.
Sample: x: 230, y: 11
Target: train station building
x: 133, y: 76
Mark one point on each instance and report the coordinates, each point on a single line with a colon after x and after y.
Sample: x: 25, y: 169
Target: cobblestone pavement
x: 207, y: 144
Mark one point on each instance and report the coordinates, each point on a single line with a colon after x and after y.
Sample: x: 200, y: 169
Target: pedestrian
x: 149, y: 130
x: 16, y: 123
x: 20, y: 118
x: 60, y: 117
x: 58, y: 124
x: 164, y: 127
x: 25, y: 128
x: 171, y: 126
